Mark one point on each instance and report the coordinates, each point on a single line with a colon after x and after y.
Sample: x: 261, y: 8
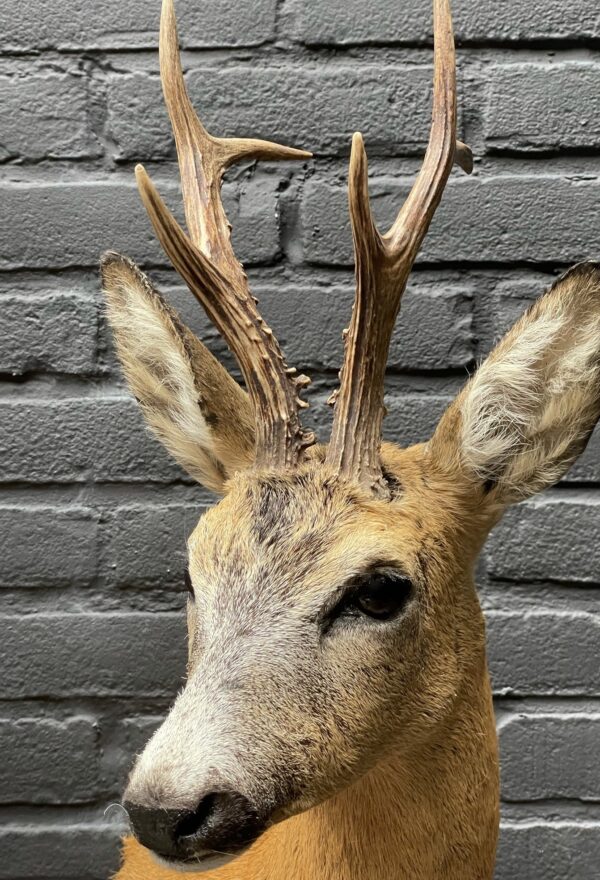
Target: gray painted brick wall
x: 93, y: 515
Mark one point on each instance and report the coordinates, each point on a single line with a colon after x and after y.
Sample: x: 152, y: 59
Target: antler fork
x: 382, y: 266
x: 207, y: 263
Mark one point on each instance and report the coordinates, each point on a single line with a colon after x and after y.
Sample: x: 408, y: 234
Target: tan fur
x: 528, y: 411
x: 359, y: 744
x: 397, y: 822
x: 376, y: 744
x: 189, y: 401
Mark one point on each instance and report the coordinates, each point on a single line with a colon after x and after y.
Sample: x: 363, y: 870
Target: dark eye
x: 188, y: 584
x: 381, y: 596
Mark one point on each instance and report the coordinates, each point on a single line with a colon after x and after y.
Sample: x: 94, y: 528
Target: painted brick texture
x: 357, y: 22
x: 94, y: 516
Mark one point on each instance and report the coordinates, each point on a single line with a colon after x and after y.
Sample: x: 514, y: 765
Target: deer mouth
x: 222, y: 826
x: 208, y: 861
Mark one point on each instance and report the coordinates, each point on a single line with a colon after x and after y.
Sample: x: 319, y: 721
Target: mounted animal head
x: 331, y: 610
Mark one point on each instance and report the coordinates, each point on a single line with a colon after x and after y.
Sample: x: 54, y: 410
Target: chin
x: 207, y: 862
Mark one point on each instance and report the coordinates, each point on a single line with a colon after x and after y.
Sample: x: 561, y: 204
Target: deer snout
x: 223, y: 823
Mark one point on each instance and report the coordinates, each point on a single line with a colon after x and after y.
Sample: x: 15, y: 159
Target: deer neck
x: 433, y: 818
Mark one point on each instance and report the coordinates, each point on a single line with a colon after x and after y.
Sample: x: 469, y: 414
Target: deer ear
x: 529, y: 410
x: 188, y: 399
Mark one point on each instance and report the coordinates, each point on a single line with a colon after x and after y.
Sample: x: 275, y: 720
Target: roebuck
x: 337, y: 719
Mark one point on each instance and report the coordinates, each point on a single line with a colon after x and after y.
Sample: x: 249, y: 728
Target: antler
x: 382, y: 266
x: 207, y: 263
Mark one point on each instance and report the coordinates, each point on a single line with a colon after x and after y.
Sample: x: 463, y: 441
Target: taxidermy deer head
x: 337, y: 718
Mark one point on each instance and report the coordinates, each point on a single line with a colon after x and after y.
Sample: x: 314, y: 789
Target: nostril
x: 191, y: 823
x: 153, y: 827
x: 222, y: 822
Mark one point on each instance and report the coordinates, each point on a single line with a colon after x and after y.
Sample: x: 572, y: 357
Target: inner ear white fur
x: 188, y: 399
x: 530, y: 408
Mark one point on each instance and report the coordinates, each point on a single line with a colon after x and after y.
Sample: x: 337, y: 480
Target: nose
x: 223, y: 822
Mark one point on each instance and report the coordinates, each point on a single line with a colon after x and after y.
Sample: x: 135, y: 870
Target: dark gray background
x: 94, y: 516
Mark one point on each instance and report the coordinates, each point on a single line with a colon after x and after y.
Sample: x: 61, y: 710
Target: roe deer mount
x: 337, y: 719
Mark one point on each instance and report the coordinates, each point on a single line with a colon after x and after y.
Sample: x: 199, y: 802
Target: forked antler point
x: 382, y: 266
x: 205, y: 259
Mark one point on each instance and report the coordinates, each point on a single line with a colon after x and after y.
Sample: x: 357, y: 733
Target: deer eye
x: 188, y: 584
x: 381, y: 596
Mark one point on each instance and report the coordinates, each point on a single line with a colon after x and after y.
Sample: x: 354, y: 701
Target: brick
x: 102, y: 655
x: 505, y: 218
x: 137, y: 118
x: 74, y: 440
x: 433, y: 330
x: 130, y: 738
x: 56, y: 225
x: 45, y: 116
x: 44, y: 761
x: 315, y: 108
x: 105, y: 439
x: 147, y: 545
x: 69, y: 430
x: 544, y: 652
x: 46, y: 546
x: 587, y: 468
x: 551, y: 537
x: 56, y: 333
x: 110, y: 24
x: 566, y: 850
x: 411, y: 418
x: 543, y: 106
x: 126, y: 450
x: 333, y: 22
x: 59, y: 852
x: 137, y: 731
x: 550, y: 755
x: 115, y: 654
x: 505, y: 305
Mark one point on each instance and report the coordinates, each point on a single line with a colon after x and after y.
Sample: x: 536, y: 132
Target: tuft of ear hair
x: 529, y: 410
x: 192, y: 404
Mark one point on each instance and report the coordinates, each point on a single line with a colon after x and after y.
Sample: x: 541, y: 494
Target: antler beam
x: 382, y: 266
x: 207, y: 263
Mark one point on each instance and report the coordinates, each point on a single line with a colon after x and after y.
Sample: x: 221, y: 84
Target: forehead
x: 306, y: 529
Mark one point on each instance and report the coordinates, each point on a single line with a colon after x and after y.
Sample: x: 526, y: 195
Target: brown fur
x: 188, y: 399
x: 375, y: 746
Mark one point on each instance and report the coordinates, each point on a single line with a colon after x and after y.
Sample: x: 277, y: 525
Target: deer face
x: 331, y: 610
x: 322, y: 632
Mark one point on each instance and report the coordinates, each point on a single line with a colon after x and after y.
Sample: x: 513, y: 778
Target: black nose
x: 223, y: 822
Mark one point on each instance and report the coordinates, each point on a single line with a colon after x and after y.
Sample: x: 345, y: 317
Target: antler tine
x: 207, y: 263
x: 203, y: 158
x: 443, y: 149
x: 382, y: 267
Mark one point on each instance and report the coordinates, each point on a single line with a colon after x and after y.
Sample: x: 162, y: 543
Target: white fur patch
x: 529, y: 409
x: 157, y: 367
